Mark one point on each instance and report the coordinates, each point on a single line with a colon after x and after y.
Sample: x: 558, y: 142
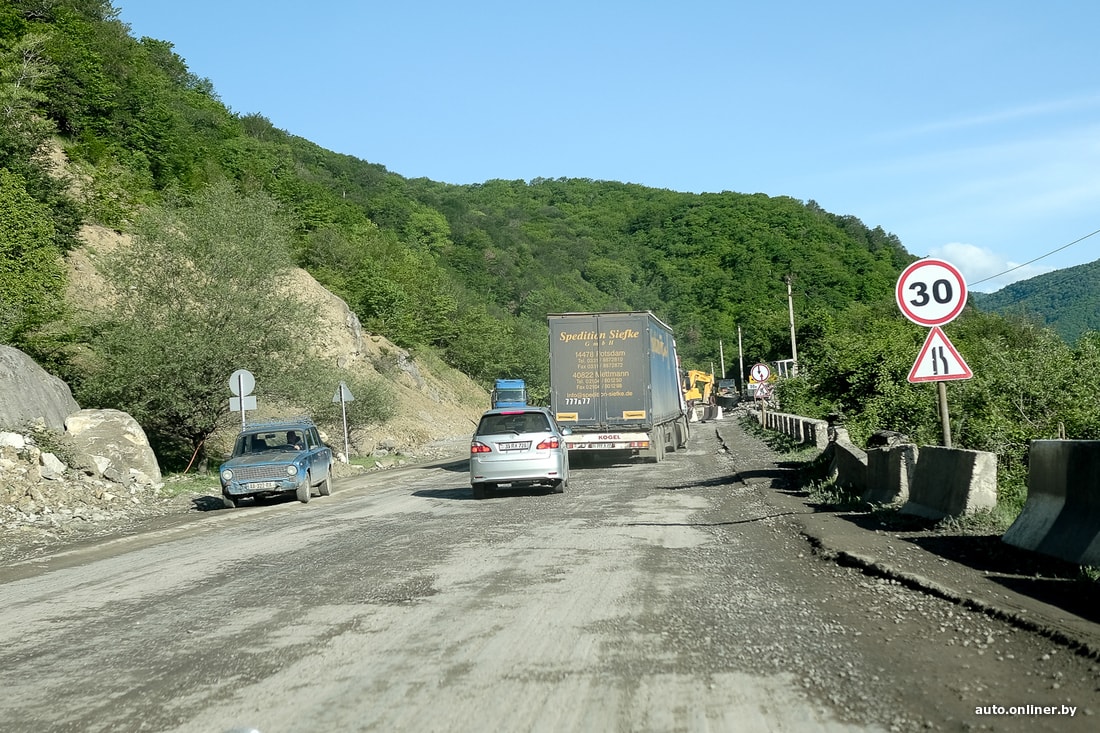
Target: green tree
x: 202, y: 291
x: 23, y: 69
x: 31, y: 278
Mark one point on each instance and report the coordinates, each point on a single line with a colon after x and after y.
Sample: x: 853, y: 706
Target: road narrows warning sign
x: 938, y: 360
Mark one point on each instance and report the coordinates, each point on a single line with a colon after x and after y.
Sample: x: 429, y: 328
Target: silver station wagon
x: 518, y: 446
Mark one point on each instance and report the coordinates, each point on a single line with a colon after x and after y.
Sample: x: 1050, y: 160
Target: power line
x: 1040, y: 257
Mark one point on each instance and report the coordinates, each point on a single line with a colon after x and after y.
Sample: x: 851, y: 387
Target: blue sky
x: 970, y: 129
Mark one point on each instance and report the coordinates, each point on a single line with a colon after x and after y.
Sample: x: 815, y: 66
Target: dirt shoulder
x: 1031, y: 591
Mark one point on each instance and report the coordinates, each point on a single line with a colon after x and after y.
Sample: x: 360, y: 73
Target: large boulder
x: 29, y: 394
x: 111, y: 444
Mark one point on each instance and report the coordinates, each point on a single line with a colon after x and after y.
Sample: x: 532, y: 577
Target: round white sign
x: 241, y: 382
x: 931, y: 292
x: 760, y: 372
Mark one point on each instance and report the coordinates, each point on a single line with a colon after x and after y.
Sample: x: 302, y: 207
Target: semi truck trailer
x: 614, y: 379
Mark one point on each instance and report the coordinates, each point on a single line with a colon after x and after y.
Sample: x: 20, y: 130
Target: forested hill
x: 1067, y: 301
x: 707, y: 263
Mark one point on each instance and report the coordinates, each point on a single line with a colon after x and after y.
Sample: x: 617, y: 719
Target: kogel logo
x: 610, y: 437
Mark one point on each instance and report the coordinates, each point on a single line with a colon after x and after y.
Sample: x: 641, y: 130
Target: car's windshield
x: 522, y: 422
x: 269, y: 440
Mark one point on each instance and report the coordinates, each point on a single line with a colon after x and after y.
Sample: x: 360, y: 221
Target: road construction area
x: 674, y: 596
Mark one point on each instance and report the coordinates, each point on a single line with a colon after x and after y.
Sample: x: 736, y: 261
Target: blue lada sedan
x: 275, y: 458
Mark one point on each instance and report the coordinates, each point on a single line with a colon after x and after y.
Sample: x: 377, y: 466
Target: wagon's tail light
x: 478, y: 447
x: 549, y: 443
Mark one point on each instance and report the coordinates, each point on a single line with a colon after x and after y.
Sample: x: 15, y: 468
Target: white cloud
x: 985, y: 270
x: 1043, y: 109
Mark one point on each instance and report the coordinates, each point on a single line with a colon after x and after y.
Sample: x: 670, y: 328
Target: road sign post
x: 343, y: 396
x: 932, y: 292
x: 241, y: 384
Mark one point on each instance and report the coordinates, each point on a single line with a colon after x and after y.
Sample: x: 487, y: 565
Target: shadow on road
x: 1047, y: 579
x: 1042, y: 578
x: 465, y: 493
x: 459, y: 493
x: 208, y: 503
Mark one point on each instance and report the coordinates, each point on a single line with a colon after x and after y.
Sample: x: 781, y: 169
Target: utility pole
x: 790, y: 310
x: 741, y: 358
x: 722, y: 358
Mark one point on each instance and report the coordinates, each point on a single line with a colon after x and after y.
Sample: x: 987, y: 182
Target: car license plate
x: 263, y: 485
x: 520, y: 445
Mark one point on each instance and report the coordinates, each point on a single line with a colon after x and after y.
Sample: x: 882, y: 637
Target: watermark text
x: 1069, y: 710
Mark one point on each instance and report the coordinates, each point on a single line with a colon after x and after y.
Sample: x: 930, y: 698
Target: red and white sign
x: 938, y: 360
x: 759, y: 373
x: 931, y: 292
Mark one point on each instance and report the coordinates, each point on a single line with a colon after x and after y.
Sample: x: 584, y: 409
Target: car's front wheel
x: 326, y: 485
x: 303, y: 492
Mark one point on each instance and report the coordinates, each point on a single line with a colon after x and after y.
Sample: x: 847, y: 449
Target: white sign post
x: 760, y: 374
x: 241, y: 384
x: 932, y: 292
x: 343, y: 396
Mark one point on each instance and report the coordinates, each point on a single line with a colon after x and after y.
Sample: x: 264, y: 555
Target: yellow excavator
x: 698, y: 387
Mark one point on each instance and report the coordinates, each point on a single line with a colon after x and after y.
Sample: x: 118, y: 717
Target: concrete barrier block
x: 951, y: 482
x: 815, y: 432
x: 848, y: 464
x: 889, y: 473
x: 1061, y: 517
x: 802, y: 429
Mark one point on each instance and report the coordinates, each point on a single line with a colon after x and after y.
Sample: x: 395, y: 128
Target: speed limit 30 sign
x: 931, y: 292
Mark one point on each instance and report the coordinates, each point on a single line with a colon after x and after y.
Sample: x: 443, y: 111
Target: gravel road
x: 676, y: 596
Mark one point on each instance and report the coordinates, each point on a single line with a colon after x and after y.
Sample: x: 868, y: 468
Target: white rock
x: 51, y: 466
x: 12, y: 440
